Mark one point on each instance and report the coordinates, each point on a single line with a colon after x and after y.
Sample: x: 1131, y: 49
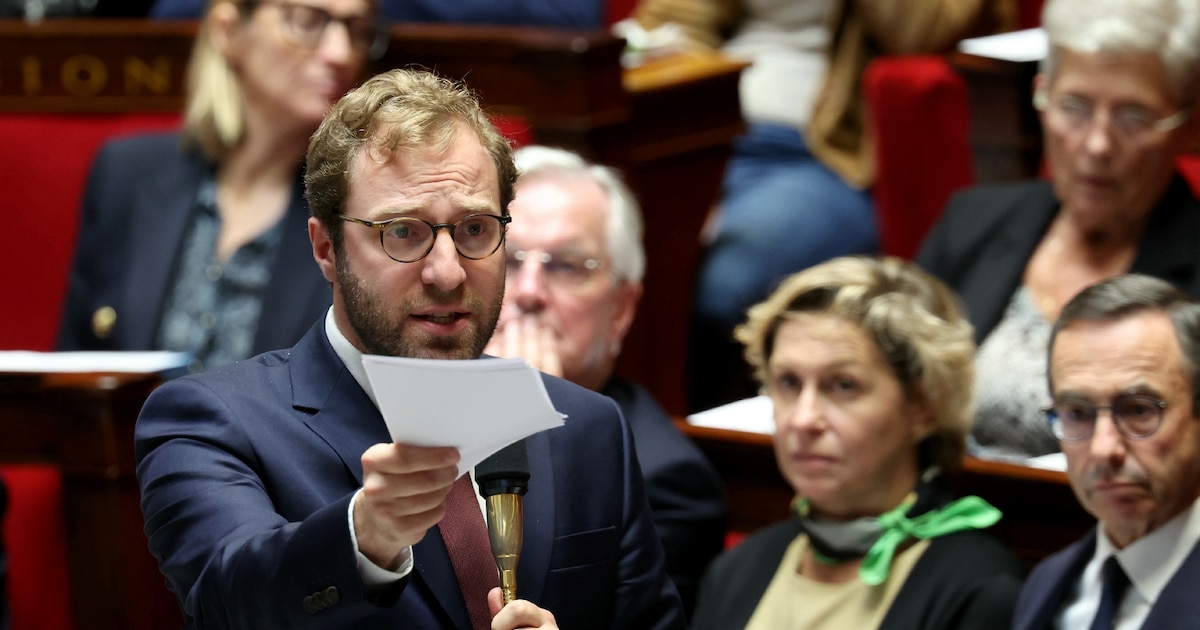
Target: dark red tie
x: 466, y: 538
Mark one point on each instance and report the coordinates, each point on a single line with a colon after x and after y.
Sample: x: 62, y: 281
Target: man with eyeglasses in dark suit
x: 273, y: 493
x: 1123, y: 377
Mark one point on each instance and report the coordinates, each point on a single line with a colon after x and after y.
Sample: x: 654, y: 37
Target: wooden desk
x: 667, y: 125
x: 84, y: 424
x: 1041, y: 514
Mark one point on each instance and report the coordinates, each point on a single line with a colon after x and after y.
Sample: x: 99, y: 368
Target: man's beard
x: 380, y: 333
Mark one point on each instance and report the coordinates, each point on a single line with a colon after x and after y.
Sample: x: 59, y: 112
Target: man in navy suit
x: 1123, y: 371
x: 575, y: 267
x: 272, y: 493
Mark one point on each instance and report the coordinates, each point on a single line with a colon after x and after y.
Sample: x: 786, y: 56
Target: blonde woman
x: 197, y: 241
x: 868, y: 365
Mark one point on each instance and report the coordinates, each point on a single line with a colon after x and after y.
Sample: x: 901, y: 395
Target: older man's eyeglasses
x: 562, y: 270
x: 409, y: 239
x: 1136, y: 416
x: 1072, y: 113
x: 304, y: 25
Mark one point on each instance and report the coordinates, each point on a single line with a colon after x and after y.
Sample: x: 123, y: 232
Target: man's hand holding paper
x: 403, y: 495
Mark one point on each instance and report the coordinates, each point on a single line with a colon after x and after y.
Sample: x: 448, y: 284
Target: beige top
x: 795, y: 602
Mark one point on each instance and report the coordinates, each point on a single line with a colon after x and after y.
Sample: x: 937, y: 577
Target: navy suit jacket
x: 1052, y: 582
x: 247, y: 473
x: 137, y: 207
x: 686, y: 496
x: 981, y: 244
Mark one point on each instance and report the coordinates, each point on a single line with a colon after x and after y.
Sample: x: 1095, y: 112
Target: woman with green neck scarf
x: 868, y: 363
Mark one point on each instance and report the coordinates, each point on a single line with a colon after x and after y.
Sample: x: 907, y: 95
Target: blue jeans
x: 782, y: 210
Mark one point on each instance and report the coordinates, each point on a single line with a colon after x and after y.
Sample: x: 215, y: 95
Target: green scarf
x: 881, y: 536
x: 966, y: 513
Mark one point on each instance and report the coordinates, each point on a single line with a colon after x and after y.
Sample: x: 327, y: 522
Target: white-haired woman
x: 1117, y: 96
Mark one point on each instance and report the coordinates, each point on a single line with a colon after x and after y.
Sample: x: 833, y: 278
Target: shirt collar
x: 1152, y: 560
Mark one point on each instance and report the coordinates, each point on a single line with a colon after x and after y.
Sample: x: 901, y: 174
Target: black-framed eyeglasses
x: 409, y: 239
x: 304, y: 25
x: 1136, y: 416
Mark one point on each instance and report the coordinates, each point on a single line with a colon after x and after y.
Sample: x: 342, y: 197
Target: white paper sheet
x: 755, y: 415
x: 476, y: 406
x: 1025, y: 45
x: 25, y: 361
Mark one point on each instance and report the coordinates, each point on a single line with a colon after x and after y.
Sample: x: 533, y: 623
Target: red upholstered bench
x: 34, y: 531
x: 44, y: 160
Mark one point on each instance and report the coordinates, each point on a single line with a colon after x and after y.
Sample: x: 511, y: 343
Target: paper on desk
x: 1025, y: 45
x: 477, y: 406
x: 25, y: 361
x: 755, y: 415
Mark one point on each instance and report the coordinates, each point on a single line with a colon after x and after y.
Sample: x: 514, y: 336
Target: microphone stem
x: 506, y: 531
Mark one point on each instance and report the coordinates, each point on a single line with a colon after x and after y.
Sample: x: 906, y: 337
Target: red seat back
x: 39, y: 589
x: 918, y: 166
x: 44, y: 160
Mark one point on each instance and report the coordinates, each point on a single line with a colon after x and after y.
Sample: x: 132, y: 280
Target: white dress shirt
x: 1150, y: 562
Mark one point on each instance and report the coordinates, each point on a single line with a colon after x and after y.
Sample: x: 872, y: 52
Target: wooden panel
x: 93, y: 65
x: 84, y: 424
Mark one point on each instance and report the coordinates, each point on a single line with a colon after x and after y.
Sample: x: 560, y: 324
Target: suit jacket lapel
x: 1178, y: 600
x: 1006, y: 257
x: 539, y: 504
x: 431, y: 565
x: 343, y: 415
x: 1062, y: 577
x: 1168, y: 246
x: 157, y: 231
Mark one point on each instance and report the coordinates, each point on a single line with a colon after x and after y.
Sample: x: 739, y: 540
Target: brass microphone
x: 503, y: 481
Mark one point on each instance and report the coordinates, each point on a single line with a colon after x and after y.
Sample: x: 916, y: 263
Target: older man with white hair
x: 574, y: 278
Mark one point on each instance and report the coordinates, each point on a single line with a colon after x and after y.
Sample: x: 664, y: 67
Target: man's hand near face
x: 526, y: 336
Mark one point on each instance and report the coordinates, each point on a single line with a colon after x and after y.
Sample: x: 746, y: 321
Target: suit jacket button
x: 103, y: 320
x: 322, y: 599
